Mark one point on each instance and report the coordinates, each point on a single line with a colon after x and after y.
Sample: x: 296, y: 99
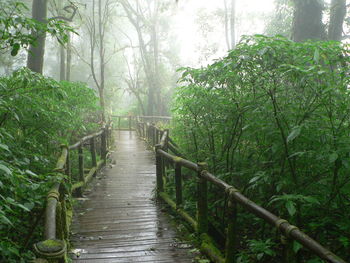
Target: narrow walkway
x: 118, y: 221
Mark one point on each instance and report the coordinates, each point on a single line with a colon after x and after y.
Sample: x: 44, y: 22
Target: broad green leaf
x: 290, y: 207
x: 5, y: 169
x: 5, y: 220
x: 23, y: 207
x: 333, y: 157
x: 4, y: 147
x: 294, y: 133
x: 29, y: 206
x: 296, y: 246
x: 317, y: 55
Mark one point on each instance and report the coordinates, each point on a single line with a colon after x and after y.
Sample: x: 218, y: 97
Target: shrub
x: 272, y: 118
x: 37, y: 114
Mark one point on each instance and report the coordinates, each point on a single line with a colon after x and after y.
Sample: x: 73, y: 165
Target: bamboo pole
x: 159, y: 171
x: 81, y: 169
x: 93, y: 152
x: 288, y: 252
x: 202, y: 201
x: 231, y: 237
x: 178, y: 185
x: 104, y: 146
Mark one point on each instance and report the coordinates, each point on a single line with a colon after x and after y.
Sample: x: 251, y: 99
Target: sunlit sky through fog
x: 250, y: 14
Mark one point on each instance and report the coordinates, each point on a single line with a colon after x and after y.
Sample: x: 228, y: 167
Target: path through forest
x: 118, y: 220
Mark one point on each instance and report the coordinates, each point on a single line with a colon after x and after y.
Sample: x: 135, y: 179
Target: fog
x: 129, y: 52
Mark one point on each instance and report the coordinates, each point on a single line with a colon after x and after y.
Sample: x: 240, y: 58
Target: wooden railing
x: 58, y: 212
x: 163, y: 144
x: 129, y: 122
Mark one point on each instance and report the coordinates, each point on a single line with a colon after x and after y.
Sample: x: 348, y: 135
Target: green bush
x: 37, y: 114
x: 272, y: 118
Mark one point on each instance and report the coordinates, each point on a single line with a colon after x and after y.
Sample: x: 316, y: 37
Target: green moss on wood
x: 209, y: 248
x: 50, y: 246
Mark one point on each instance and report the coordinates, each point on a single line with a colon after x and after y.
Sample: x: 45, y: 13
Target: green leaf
x: 5, y: 220
x: 4, y: 147
x: 5, y: 169
x: 29, y: 206
x: 311, y: 200
x: 296, y: 246
x: 15, y: 49
x: 291, y: 207
x: 317, y: 56
x: 23, y: 207
x: 294, y: 133
x: 333, y: 157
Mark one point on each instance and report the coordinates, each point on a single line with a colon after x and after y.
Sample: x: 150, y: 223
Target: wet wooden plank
x: 118, y: 221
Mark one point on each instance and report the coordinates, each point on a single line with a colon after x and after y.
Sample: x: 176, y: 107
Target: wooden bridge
x: 119, y: 221
x: 117, y: 218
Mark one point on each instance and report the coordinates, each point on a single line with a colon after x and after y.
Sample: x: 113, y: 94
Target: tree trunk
x: 102, y: 60
x: 150, y: 101
x: 227, y: 35
x: 35, y: 61
x: 307, y: 21
x: 233, y: 24
x: 69, y: 57
x: 337, y: 16
x: 62, y: 63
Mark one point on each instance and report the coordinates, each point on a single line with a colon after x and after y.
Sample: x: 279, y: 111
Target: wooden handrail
x: 85, y: 139
x: 287, y: 230
x: 54, y: 247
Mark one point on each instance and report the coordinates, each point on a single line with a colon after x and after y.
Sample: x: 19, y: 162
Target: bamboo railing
x: 57, y: 214
x: 163, y: 144
x: 129, y: 122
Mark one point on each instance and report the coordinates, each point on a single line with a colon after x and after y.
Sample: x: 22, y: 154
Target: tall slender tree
x: 336, y: 21
x: 149, y: 51
x: 230, y: 23
x: 35, y: 60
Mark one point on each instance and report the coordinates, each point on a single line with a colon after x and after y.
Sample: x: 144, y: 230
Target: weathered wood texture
x: 119, y: 221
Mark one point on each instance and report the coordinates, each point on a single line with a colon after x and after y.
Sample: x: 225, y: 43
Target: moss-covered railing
x: 58, y: 214
x: 163, y: 145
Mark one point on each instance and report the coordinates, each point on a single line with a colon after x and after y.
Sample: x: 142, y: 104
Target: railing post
x: 93, y: 152
x: 153, y: 134
x: 178, y: 184
x: 68, y: 168
x: 52, y: 249
x: 231, y: 235
x: 144, y: 131
x: 166, y: 146
x: 107, y: 137
x: 104, y: 146
x: 129, y: 123
x: 119, y: 122
x: 59, y: 225
x: 157, y: 135
x: 288, y: 252
x: 81, y: 168
x: 148, y: 132
x: 202, y: 201
x: 159, y: 170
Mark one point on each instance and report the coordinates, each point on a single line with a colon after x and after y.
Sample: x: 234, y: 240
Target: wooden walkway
x: 119, y: 221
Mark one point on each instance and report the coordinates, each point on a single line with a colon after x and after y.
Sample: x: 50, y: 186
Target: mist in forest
x: 130, y: 51
x: 251, y: 95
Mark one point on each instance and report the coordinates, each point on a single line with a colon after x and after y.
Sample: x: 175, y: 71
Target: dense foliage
x: 17, y: 30
x: 37, y: 114
x: 272, y: 118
